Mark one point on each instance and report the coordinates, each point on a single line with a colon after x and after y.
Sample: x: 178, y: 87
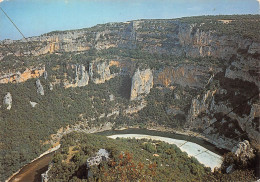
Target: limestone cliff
x: 173, y: 36
x: 39, y: 87
x: 246, y: 69
x: 223, y: 119
x: 64, y: 42
x: 81, y: 77
x: 142, y: 82
x: 185, y: 75
x: 8, y: 101
x: 201, y: 105
x: 18, y: 77
x: 99, y: 71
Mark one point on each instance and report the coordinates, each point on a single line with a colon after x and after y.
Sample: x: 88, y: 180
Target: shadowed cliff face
x: 185, y: 75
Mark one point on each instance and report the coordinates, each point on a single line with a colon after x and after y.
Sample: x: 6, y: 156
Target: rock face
x: 173, y: 37
x: 44, y: 176
x: 102, y: 155
x: 179, y: 38
x: 81, y: 77
x: 39, y: 87
x: 184, y: 75
x: 19, y: 77
x: 244, y: 151
x: 8, y: 101
x: 51, y: 86
x: 208, y: 112
x: 200, y: 105
x: 99, y: 71
x: 60, y: 42
x: 33, y: 104
x: 246, y: 69
x: 142, y: 82
x: 45, y: 75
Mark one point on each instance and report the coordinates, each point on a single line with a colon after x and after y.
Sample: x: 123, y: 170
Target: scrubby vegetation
x: 131, y: 160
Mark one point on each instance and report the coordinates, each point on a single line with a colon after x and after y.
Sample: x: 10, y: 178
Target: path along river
x: 193, y: 147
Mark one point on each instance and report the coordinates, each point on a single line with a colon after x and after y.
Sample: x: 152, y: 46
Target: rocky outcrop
x: 60, y: 42
x: 99, y: 71
x: 19, y: 77
x: 33, y: 104
x: 113, y: 113
x: 245, y: 69
x: 8, y: 101
x: 185, y: 75
x: 45, y: 177
x: 251, y: 123
x: 51, y: 86
x: 39, y: 86
x: 111, y: 97
x: 45, y: 75
x: 142, y: 82
x: 221, y: 120
x: 200, y: 105
x: 101, y: 155
x: 244, y: 152
x: 81, y: 77
x: 174, y: 111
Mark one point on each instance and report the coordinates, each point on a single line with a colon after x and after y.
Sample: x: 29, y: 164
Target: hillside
x: 128, y: 160
x: 195, y: 74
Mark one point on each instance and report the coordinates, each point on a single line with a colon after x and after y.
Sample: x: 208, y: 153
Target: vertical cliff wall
x: 18, y: 77
x: 142, y: 82
x: 81, y: 78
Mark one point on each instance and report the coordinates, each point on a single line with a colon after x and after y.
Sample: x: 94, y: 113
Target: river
x: 32, y: 172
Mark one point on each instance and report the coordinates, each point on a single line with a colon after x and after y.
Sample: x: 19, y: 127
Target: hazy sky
x: 35, y: 17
